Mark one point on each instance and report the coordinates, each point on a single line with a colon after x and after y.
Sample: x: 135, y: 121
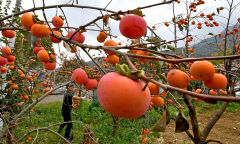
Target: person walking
x: 66, y: 111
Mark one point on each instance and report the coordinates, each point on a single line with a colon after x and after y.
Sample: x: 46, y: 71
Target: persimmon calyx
x: 124, y: 70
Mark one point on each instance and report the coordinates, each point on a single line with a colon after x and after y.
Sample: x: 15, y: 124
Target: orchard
x: 139, y: 69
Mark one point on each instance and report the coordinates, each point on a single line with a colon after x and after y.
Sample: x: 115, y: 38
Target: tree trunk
x: 213, y: 121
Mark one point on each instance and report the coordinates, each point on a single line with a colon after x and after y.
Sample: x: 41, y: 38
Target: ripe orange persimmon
x: 8, y: 33
x: 46, y: 89
x: 55, y: 40
x: 110, y: 43
x: 27, y: 20
x: 36, y: 49
x: 91, y: 84
x: 50, y: 65
x: 212, y: 92
x: 57, y: 21
x: 202, y: 70
x: 113, y: 59
x: 143, y: 53
x: 11, y: 58
x: 3, y: 61
x: 78, y: 37
x: 122, y: 96
x: 3, y: 69
x: 43, y: 56
x: 25, y: 97
x: 133, y: 26
x: 198, y: 91
x: 40, y: 30
x: 154, y: 89
x: 79, y: 76
x: 101, y: 36
x: 158, y: 101
x: 217, y: 81
x: 6, y: 50
x: 44, y: 83
x: 14, y: 86
x: 178, y: 78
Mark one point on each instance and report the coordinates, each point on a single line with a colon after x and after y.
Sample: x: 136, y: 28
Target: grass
x: 100, y: 122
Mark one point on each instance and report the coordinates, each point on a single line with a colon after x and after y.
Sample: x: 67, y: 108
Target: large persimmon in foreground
x: 122, y: 96
x: 133, y: 26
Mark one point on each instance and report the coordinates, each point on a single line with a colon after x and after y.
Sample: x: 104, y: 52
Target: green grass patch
x: 100, y: 122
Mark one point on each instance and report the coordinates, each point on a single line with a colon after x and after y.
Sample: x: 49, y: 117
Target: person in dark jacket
x: 66, y: 111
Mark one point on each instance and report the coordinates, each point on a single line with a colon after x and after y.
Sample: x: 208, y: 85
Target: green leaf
x: 210, y: 33
x: 181, y: 123
x: 136, y: 12
x: 180, y: 28
x: 218, y: 10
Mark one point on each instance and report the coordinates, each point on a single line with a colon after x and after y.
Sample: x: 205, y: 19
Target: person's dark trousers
x: 67, y: 118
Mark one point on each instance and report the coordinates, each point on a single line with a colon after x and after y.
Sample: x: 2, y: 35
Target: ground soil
x: 227, y: 130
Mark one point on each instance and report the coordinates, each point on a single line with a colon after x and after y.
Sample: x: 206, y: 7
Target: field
x: 129, y: 131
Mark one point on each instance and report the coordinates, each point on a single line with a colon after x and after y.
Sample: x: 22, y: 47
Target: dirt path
x: 227, y: 130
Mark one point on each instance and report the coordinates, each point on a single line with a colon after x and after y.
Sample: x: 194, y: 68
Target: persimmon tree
x: 128, y: 83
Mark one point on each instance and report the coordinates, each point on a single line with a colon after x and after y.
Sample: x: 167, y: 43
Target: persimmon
x: 14, y: 86
x: 22, y: 75
x: 79, y: 76
x: 91, y: 84
x: 50, y: 65
x: 143, y: 53
x: 122, y: 96
x: 78, y: 37
x: 202, y: 70
x: 144, y: 140
x: 110, y: 43
x: 57, y: 21
x: 198, y: 91
x: 11, y: 58
x: 217, y: 81
x: 113, y: 59
x: 101, y: 36
x: 27, y: 20
x: 133, y: 26
x: 11, y: 67
x: 212, y: 92
x: 25, y: 97
x: 6, y: 50
x: 46, y: 90
x: 154, y: 89
x: 20, y: 72
x: 178, y: 78
x: 222, y: 92
x: 158, y: 101
x: 44, y: 83
x: 40, y: 30
x: 164, y: 94
x: 36, y: 49
x: 52, y: 56
x: 55, y: 40
x: 3, y: 70
x: 43, y: 56
x: 8, y: 33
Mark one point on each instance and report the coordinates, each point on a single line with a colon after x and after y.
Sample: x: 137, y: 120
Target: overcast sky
x: 156, y: 15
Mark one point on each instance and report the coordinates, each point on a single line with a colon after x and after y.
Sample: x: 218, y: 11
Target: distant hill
x: 209, y: 46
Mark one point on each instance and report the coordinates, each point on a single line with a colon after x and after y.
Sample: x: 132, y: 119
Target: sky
x: 155, y: 15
